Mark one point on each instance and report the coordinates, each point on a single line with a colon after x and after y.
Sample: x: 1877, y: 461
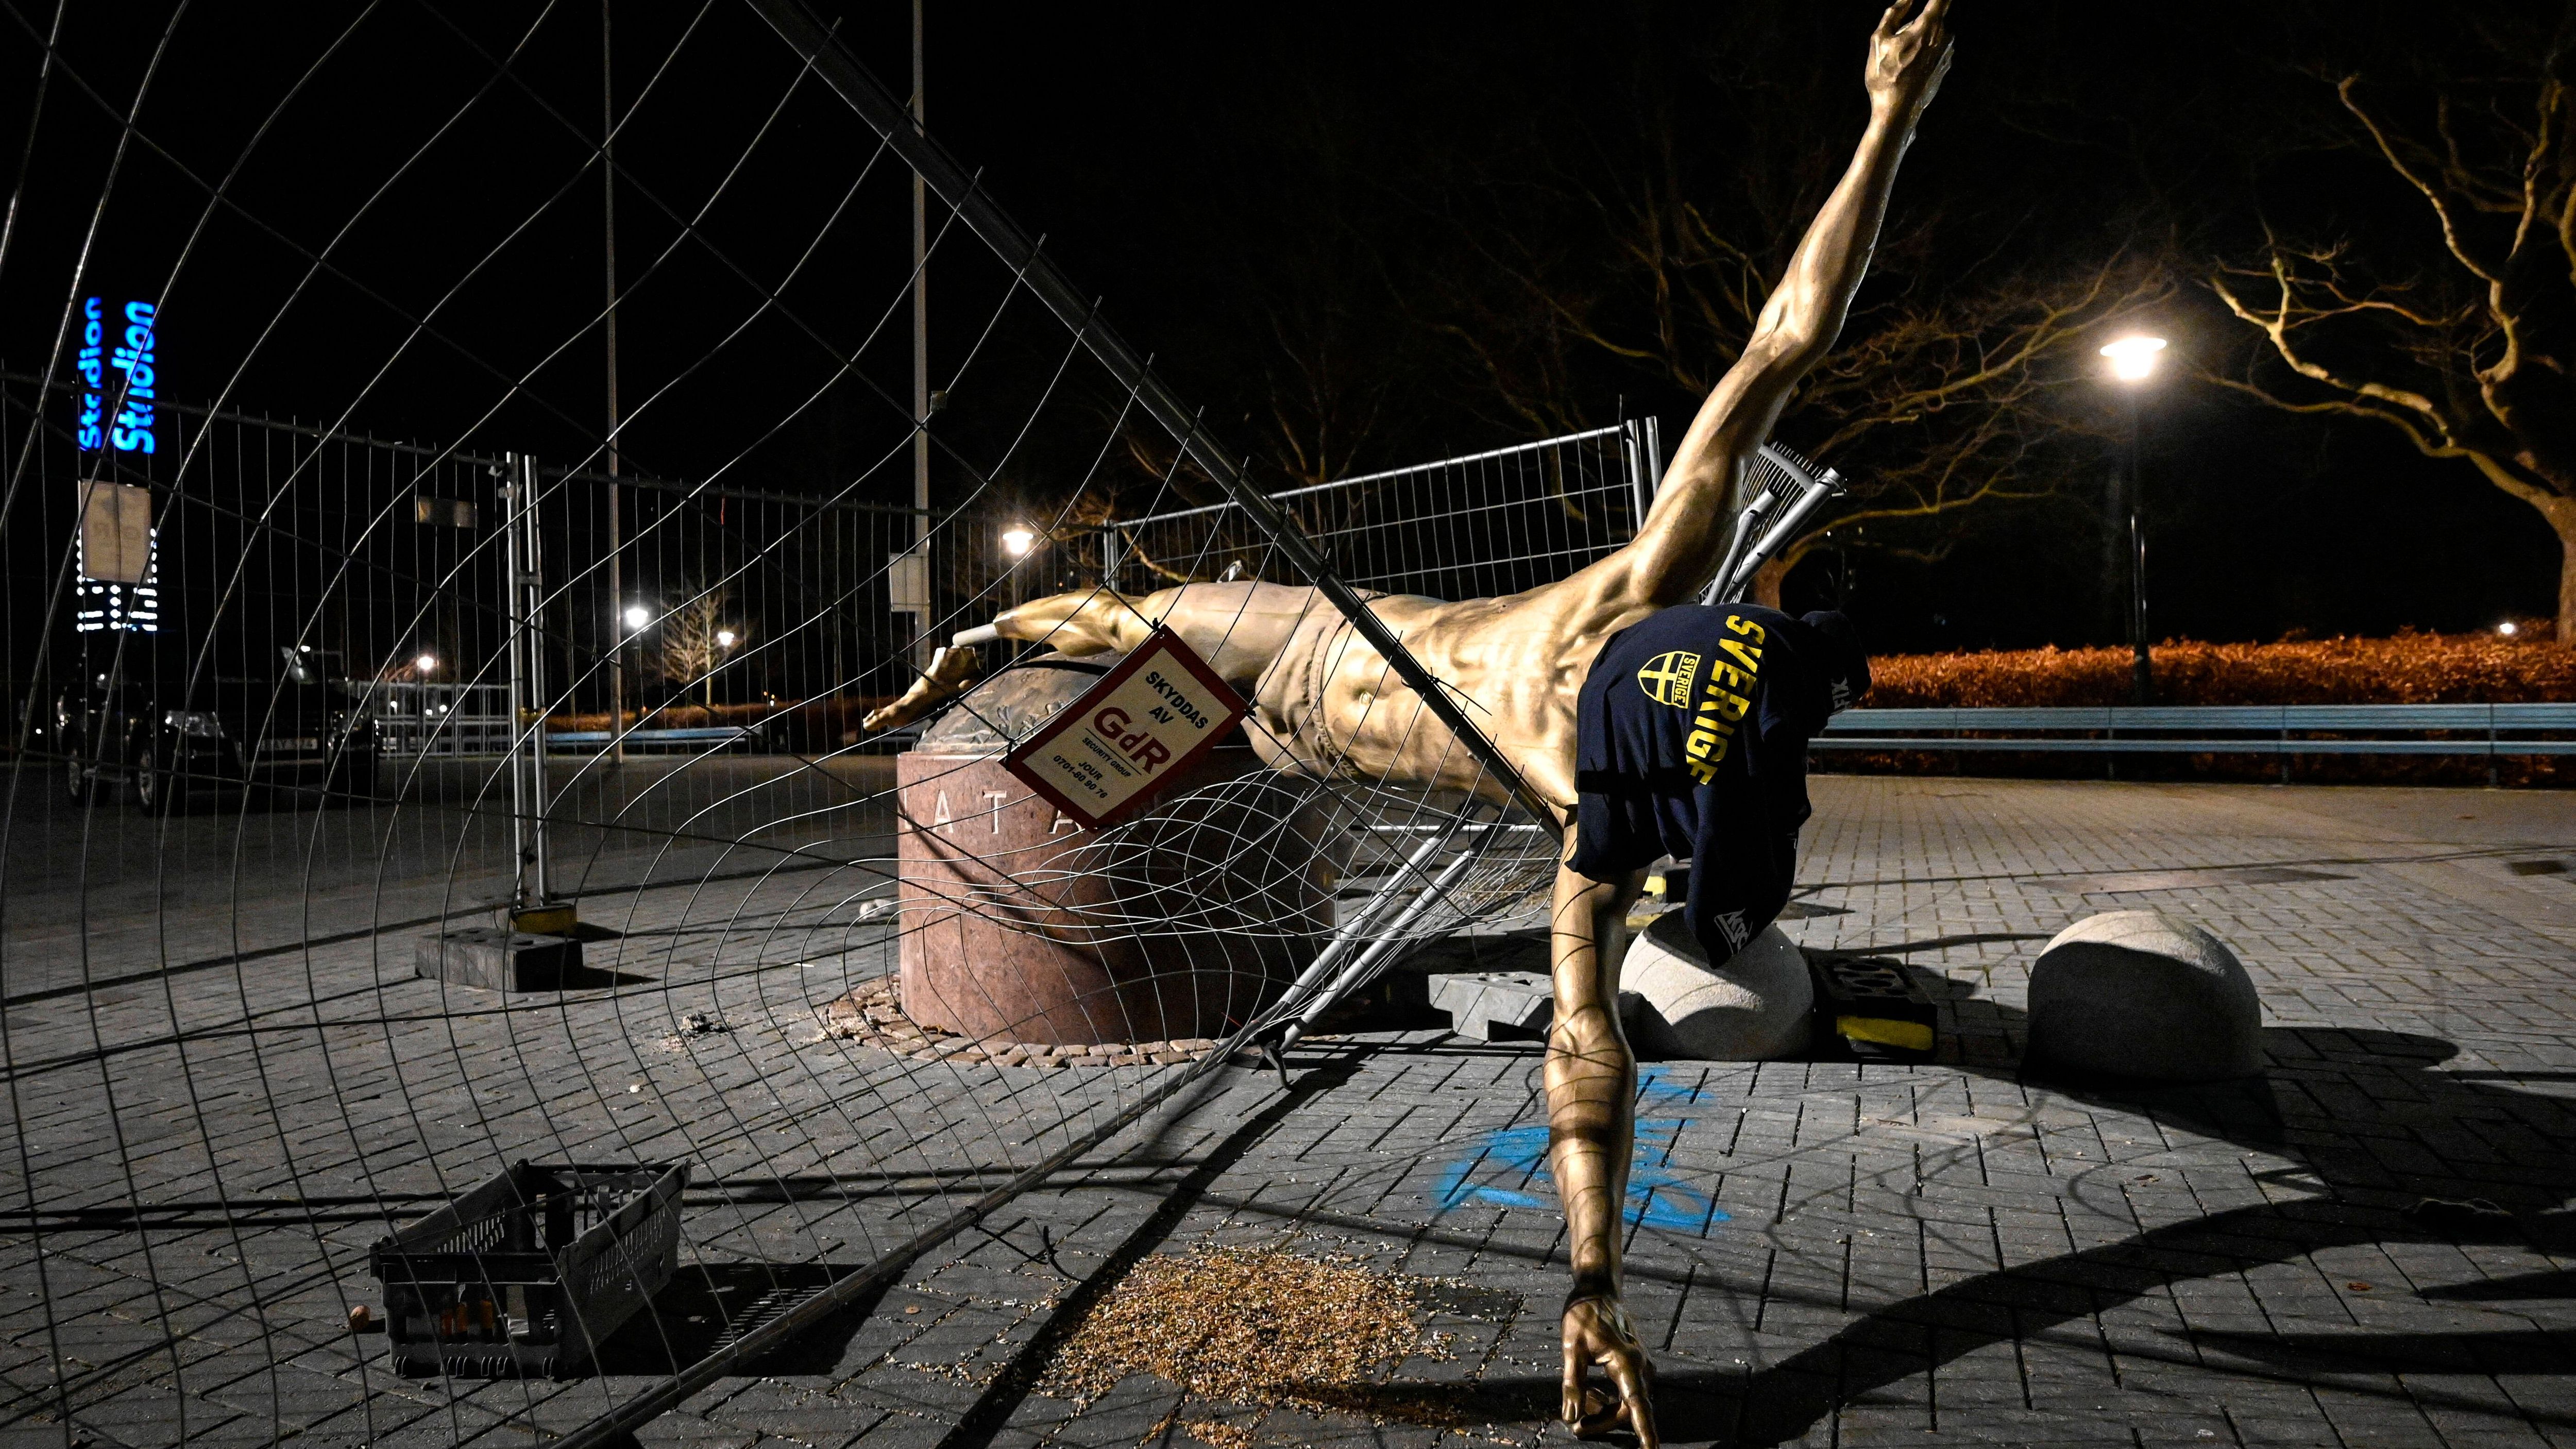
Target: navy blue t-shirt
x: 1691, y: 741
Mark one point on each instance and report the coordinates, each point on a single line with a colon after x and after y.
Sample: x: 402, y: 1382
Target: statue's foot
x: 951, y: 671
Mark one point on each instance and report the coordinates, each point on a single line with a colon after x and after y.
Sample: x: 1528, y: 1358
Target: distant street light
x: 426, y: 663
x: 1017, y: 541
x: 724, y: 638
x: 2508, y: 628
x: 637, y: 616
x: 2133, y: 361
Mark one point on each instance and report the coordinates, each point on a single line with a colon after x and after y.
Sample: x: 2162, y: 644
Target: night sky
x: 1258, y: 196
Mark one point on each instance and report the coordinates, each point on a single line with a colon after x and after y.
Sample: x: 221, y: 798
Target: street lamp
x: 724, y: 638
x: 1017, y: 540
x: 637, y: 616
x: 2133, y: 361
x: 426, y: 663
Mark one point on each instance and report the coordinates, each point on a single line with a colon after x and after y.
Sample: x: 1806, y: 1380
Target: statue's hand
x: 1909, y: 53
x: 951, y: 670
x: 1597, y: 1334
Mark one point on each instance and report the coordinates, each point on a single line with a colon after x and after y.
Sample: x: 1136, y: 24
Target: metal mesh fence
x: 1473, y: 527
x: 253, y: 856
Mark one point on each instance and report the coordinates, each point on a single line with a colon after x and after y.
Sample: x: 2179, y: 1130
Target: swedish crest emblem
x: 1667, y: 677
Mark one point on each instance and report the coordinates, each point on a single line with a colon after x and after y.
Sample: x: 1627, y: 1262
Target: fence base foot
x: 497, y: 960
x: 548, y: 918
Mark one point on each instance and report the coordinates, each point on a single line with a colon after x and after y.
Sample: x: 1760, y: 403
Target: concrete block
x: 496, y: 960
x: 1754, y: 1007
x: 1495, y: 1005
x: 2147, y: 996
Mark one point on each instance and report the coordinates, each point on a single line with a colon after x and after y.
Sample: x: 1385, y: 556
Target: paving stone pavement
x: 193, y: 1168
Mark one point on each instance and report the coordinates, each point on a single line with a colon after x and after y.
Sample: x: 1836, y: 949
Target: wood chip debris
x: 872, y: 1015
x: 1252, y: 1326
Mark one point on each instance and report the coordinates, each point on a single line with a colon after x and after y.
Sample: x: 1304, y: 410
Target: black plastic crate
x: 525, y: 1275
x: 1870, y: 1007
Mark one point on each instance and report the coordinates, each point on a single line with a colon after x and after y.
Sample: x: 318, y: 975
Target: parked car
x: 132, y: 725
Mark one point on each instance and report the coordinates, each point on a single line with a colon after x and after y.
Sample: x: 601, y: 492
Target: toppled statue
x: 1651, y: 723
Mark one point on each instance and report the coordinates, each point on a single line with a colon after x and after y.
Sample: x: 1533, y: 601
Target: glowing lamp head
x: 724, y: 638
x: 2133, y: 359
x: 1017, y: 541
x: 637, y: 616
x: 425, y: 663
x: 2508, y: 628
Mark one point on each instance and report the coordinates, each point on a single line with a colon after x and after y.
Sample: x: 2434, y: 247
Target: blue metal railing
x: 2222, y: 729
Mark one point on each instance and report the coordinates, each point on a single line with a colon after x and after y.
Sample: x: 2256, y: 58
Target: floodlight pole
x: 934, y: 167
x: 920, y: 344
x: 608, y: 216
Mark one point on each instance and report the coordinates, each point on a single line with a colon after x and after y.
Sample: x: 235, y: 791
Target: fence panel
x: 1479, y: 526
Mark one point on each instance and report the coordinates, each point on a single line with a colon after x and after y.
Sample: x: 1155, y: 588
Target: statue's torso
x: 1515, y: 664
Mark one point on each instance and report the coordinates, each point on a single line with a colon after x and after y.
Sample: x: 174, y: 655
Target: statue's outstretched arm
x: 1085, y: 621
x: 1678, y: 548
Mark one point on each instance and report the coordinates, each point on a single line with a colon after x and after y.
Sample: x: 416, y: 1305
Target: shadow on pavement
x: 706, y: 1305
x: 2329, y: 1097
x: 2335, y: 1101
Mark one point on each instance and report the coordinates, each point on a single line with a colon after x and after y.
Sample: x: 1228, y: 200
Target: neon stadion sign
x: 125, y: 342
x: 136, y: 354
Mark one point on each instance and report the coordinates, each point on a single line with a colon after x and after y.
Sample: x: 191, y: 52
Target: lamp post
x: 2133, y: 362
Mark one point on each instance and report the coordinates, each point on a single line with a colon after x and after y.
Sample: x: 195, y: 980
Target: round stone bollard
x: 2147, y: 996
x: 1754, y: 1008
x: 1018, y: 926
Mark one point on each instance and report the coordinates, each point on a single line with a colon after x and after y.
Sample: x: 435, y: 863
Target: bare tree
x: 2455, y: 333
x: 1955, y: 383
x: 692, y: 639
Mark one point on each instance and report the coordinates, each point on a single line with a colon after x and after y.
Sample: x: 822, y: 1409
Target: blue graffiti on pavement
x: 1509, y: 1169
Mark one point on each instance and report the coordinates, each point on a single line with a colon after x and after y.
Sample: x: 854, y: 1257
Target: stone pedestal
x: 1019, y: 926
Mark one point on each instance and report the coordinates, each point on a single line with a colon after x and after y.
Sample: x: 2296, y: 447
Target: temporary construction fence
x: 227, y: 1081
x: 1473, y: 527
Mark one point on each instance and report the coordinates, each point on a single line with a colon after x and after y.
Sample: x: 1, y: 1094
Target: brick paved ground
x: 1829, y: 1252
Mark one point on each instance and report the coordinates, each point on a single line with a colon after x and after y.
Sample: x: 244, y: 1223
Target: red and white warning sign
x: 1130, y: 735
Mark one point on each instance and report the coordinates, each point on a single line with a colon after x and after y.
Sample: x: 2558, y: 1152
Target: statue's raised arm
x: 1678, y: 549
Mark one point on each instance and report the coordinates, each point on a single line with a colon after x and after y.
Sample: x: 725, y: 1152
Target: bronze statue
x: 1325, y: 703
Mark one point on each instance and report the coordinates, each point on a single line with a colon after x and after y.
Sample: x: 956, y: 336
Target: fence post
x: 1645, y: 470
x: 526, y: 658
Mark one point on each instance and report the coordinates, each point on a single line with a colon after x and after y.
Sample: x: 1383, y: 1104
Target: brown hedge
x: 2410, y: 668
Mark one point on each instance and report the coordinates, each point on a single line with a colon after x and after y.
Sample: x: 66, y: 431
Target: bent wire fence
x: 242, y: 848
